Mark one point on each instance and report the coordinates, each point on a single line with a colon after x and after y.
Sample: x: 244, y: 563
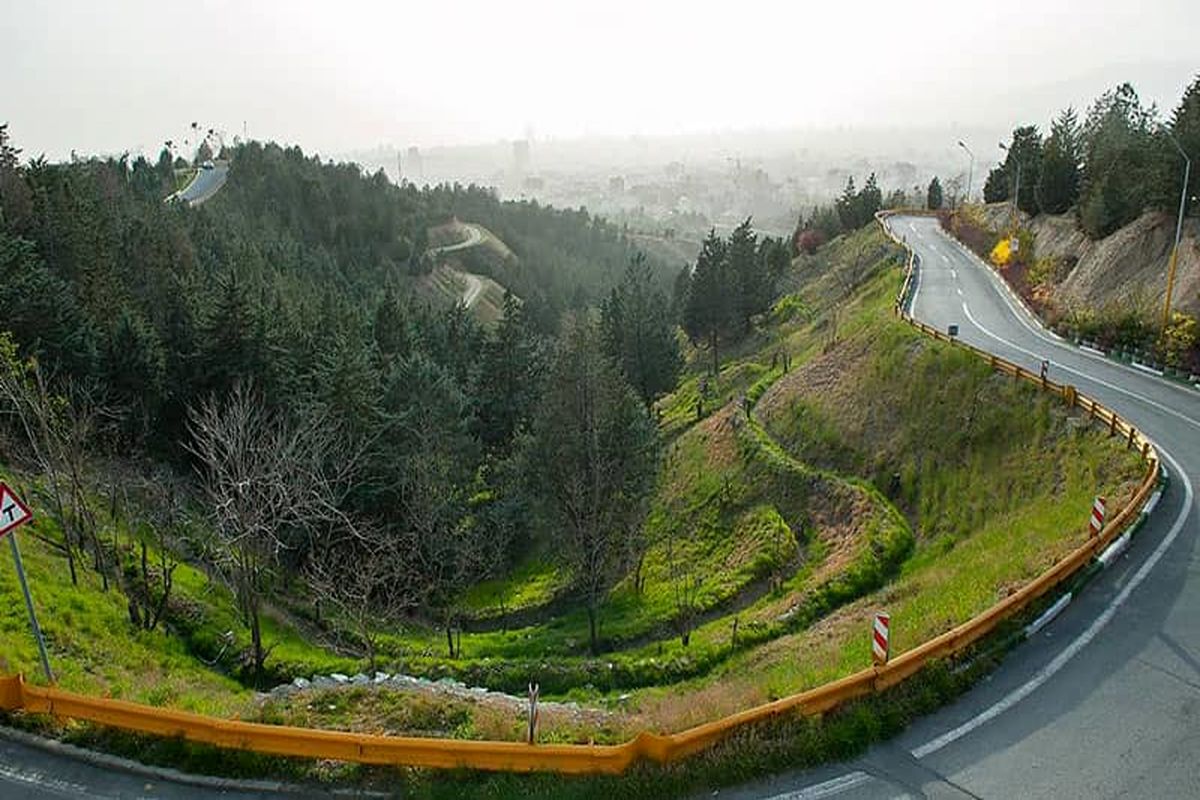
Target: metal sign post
x: 13, y: 514
x: 534, y: 691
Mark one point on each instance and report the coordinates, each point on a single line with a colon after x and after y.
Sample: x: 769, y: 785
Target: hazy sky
x: 101, y: 76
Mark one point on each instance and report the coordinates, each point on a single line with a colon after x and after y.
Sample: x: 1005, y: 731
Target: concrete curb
x: 110, y: 762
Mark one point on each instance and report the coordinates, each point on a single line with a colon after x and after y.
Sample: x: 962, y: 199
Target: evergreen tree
x: 746, y: 274
x: 594, y: 455
x: 1185, y: 127
x: 846, y: 205
x: 235, y: 347
x: 1058, y: 189
x: 870, y: 200
x: 710, y: 305
x: 513, y: 363
x: 638, y: 333
x: 997, y: 187
x: 135, y: 368
x: 1024, y: 150
x: 1119, y: 158
x: 933, y: 196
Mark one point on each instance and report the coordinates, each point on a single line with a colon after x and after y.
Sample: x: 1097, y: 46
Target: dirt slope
x: 1129, y: 267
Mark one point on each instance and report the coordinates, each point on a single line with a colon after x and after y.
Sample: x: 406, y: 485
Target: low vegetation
x: 657, y: 527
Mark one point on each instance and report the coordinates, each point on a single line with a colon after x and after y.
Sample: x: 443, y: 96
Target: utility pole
x: 1187, y: 174
x: 970, y: 169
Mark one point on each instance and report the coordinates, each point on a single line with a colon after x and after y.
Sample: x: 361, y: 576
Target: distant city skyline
x: 109, y: 78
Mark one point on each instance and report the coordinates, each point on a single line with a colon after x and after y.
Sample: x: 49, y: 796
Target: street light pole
x: 970, y: 169
x: 1016, y: 190
x: 1187, y: 174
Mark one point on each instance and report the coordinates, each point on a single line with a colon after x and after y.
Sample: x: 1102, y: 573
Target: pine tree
x: 748, y: 283
x: 1185, y: 127
x: 1119, y: 157
x: 638, y: 333
x: 998, y: 186
x: 1059, y: 186
x: 135, y: 369
x: 846, y: 206
x: 594, y: 455
x: 709, y: 309
x: 1024, y: 158
x: 870, y: 200
x: 933, y: 196
x: 513, y: 363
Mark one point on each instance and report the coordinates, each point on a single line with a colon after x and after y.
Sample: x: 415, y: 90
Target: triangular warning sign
x: 13, y: 512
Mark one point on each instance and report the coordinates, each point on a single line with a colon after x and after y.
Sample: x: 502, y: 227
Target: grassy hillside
x: 882, y: 470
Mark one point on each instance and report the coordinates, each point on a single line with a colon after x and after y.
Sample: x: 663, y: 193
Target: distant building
x: 616, y: 185
x: 416, y: 167
x: 521, y: 158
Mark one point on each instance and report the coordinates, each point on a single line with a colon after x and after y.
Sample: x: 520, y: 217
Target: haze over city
x: 334, y: 78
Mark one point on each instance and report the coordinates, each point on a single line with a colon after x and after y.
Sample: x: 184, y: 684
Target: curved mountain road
x: 1105, y: 701
x: 474, y: 283
x: 204, y: 185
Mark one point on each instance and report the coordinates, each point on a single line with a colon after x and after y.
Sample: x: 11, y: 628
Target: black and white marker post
x: 13, y: 514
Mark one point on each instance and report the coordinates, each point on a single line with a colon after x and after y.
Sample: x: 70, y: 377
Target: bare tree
x: 58, y: 427
x: 686, y: 583
x: 267, y: 483
x: 157, y: 527
x: 367, y: 577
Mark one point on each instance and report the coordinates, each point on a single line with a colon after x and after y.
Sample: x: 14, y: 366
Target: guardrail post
x: 1132, y: 434
x: 1112, y: 424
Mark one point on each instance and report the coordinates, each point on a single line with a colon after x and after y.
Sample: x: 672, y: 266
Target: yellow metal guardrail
x: 16, y: 694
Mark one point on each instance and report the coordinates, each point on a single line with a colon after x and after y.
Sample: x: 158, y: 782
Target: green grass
x: 882, y: 471
x: 535, y: 582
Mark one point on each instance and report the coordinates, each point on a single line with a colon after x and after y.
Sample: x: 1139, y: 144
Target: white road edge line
x: 850, y: 780
x: 1059, y: 661
x: 1093, y: 378
x: 853, y: 779
x: 1003, y: 290
x: 829, y: 788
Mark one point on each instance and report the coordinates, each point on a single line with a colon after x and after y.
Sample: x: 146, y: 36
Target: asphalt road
x: 30, y: 772
x: 206, y: 183
x: 1105, y: 701
x: 474, y: 284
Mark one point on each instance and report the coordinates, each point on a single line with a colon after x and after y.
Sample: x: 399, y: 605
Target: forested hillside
x: 273, y: 338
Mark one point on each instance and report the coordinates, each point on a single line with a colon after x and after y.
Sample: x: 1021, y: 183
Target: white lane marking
x: 1059, y: 661
x: 1002, y: 291
x: 960, y: 294
x: 1065, y: 368
x: 827, y: 788
x: 954, y: 273
x: 42, y: 781
x: 853, y: 779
